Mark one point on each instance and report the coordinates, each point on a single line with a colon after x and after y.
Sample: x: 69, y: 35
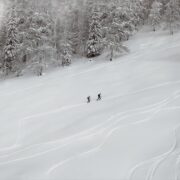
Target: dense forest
x: 36, y: 35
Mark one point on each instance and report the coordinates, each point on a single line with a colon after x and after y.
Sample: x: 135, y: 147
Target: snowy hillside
x: 49, y: 132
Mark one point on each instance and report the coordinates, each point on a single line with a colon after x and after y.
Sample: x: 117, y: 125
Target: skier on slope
x: 99, y: 97
x: 88, y: 99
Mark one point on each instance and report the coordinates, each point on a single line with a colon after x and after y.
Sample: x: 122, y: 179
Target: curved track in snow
x: 142, y: 93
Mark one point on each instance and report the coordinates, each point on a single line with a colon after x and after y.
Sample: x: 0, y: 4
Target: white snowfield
x: 49, y: 132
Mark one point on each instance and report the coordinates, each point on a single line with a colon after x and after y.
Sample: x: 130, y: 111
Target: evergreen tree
x: 11, y: 47
x: 74, y: 31
x: 94, y: 43
x: 172, y: 15
x: 66, y: 57
x: 58, y: 36
x: 113, y: 41
x: 3, y: 39
x: 155, y: 14
x: 42, y: 31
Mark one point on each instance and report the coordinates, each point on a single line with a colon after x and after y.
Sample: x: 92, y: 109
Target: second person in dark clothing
x: 99, y: 97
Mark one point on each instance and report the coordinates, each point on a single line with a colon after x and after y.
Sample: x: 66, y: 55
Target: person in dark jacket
x: 88, y: 99
x: 99, y: 97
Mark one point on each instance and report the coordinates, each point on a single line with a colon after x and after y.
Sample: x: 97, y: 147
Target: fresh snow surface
x: 49, y: 132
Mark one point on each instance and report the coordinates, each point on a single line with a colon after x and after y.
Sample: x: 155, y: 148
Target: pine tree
x: 66, y: 57
x: 3, y: 40
x: 84, y: 16
x: 74, y: 32
x: 58, y: 37
x: 113, y: 42
x: 65, y: 42
x: 172, y: 15
x: 155, y: 14
x: 10, y: 63
x: 26, y: 49
x: 94, y: 43
x: 137, y: 13
x: 42, y: 28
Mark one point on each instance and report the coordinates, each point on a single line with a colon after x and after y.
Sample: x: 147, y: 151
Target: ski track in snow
x: 20, y: 90
x: 82, y: 104
x: 85, y: 133
x: 157, y: 161
x: 111, y: 131
x: 161, y: 158
x: 58, y: 110
x: 108, y: 129
x: 177, y: 168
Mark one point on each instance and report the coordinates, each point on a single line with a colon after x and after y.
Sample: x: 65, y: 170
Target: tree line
x: 35, y: 35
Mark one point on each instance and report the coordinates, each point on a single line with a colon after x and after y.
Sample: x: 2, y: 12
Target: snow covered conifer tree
x: 85, y: 14
x: 137, y: 11
x: 66, y: 52
x: 66, y: 58
x: 164, y: 6
x: 155, y: 14
x: 74, y: 31
x: 113, y: 43
x: 117, y: 29
x: 41, y: 34
x: 94, y: 43
x: 65, y: 43
x: 3, y: 33
x: 58, y: 37
x: 172, y: 15
x: 11, y: 47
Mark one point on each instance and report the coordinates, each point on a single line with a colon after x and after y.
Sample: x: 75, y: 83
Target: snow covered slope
x: 49, y: 132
